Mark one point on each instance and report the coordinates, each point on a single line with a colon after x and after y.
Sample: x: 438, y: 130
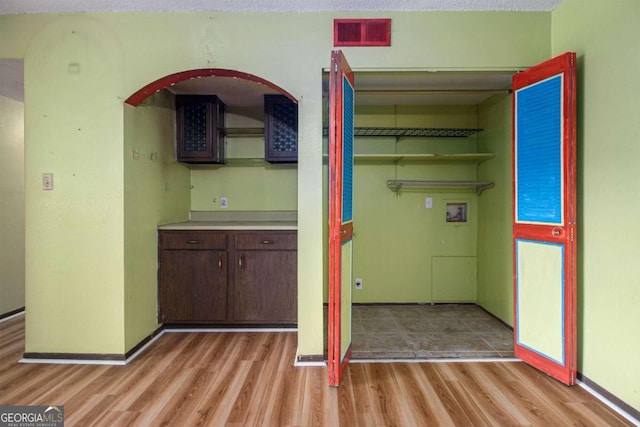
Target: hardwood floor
x: 247, y: 379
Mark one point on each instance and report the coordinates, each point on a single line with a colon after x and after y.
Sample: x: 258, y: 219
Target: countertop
x: 231, y: 225
x: 237, y: 220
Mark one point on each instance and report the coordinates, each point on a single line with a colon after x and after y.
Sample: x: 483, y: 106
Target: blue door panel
x: 347, y: 141
x: 539, y: 152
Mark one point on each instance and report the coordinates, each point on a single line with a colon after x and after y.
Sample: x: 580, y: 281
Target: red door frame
x: 169, y: 80
x: 564, y: 234
x: 338, y: 231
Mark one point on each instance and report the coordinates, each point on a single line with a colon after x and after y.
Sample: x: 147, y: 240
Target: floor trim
x: 73, y: 361
x: 118, y: 360
x: 438, y: 360
x: 229, y: 330
x: 612, y: 401
x: 11, y: 314
x: 495, y: 317
x: 136, y: 348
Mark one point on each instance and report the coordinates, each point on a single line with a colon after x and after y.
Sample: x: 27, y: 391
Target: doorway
x: 12, y: 219
x: 432, y: 249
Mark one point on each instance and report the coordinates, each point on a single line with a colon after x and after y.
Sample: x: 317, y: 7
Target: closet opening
x: 432, y: 215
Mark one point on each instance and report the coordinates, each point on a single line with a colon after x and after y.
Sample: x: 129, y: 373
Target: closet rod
x: 396, y: 185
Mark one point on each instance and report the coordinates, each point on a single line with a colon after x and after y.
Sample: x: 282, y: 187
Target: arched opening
x: 172, y: 79
x: 167, y: 195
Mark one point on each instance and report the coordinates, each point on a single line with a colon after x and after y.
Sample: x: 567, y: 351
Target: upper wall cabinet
x: 280, y: 129
x: 200, y: 125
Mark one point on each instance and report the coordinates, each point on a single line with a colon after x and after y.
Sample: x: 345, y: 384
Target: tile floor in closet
x: 428, y: 331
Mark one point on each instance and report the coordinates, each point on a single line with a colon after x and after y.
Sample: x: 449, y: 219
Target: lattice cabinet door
x: 280, y: 129
x: 200, y: 129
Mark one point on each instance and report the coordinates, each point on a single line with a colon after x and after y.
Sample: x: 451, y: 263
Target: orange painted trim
x: 563, y: 64
x: 171, y: 79
x: 337, y: 364
x: 334, y: 221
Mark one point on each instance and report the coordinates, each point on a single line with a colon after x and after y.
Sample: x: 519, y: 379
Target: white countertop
x: 231, y: 225
x: 236, y: 220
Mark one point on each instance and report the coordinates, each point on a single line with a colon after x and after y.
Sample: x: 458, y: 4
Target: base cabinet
x: 227, y: 277
x: 265, y: 278
x: 194, y: 285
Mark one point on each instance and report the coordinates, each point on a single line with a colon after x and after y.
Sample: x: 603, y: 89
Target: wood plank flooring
x: 248, y: 379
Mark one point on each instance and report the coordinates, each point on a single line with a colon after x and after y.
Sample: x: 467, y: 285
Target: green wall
x: 11, y: 205
x: 79, y: 69
x: 157, y: 192
x: 604, y: 35
x: 74, y: 234
x: 247, y: 181
x: 495, y: 247
x: 397, y: 240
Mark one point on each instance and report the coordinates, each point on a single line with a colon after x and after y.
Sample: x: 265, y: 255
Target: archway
x: 254, y: 188
x: 172, y: 79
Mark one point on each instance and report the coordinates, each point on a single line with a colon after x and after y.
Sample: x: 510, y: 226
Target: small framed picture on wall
x: 456, y: 212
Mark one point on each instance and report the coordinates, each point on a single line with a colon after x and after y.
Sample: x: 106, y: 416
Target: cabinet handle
x: 268, y: 242
x: 240, y: 261
x: 220, y: 262
x: 194, y: 242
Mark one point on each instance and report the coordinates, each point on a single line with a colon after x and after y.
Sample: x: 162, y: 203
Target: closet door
x: 341, y: 101
x: 544, y: 223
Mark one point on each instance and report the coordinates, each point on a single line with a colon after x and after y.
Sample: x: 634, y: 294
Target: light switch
x: 47, y: 181
x: 428, y: 203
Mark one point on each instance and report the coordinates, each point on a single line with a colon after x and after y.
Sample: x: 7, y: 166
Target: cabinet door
x: 280, y: 129
x: 265, y: 286
x: 200, y: 124
x: 193, y: 285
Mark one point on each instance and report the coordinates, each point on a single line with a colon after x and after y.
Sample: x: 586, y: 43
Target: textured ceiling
x: 75, y: 6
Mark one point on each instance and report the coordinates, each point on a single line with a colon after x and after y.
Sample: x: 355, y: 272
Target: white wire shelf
x: 412, y: 132
x: 416, y: 132
x: 396, y: 185
x: 463, y: 157
x: 419, y: 158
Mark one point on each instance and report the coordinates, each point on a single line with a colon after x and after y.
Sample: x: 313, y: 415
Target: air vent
x: 362, y: 32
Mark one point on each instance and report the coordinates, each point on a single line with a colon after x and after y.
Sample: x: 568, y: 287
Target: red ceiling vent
x: 362, y: 32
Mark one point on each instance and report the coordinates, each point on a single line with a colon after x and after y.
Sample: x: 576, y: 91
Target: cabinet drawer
x: 193, y: 240
x: 266, y: 240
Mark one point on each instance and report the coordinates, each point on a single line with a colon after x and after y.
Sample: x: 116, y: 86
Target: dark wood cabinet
x: 200, y: 129
x: 280, y: 129
x: 193, y: 276
x: 227, y: 277
x: 265, y: 279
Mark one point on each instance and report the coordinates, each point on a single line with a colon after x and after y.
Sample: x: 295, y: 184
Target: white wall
x: 11, y: 204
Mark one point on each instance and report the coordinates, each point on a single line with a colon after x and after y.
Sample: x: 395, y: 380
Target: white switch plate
x: 47, y: 181
x: 428, y: 203
x: 224, y: 203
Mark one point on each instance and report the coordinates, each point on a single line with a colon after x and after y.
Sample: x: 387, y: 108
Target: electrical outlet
x: 358, y: 283
x: 224, y: 202
x: 428, y: 203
